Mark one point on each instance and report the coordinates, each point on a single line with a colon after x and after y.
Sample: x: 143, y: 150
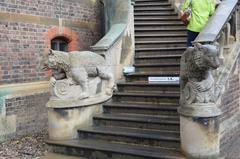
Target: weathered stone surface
x: 199, y: 125
x: 79, y: 85
x: 71, y: 74
x: 200, y: 137
x: 197, y: 82
x: 63, y: 123
x: 7, y: 126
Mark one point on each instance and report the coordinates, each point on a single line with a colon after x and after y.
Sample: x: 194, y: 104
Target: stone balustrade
x: 205, y: 70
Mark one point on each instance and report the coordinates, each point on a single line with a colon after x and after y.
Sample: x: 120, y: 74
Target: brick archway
x: 67, y: 33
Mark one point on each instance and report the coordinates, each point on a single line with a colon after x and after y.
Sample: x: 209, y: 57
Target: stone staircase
x: 141, y: 120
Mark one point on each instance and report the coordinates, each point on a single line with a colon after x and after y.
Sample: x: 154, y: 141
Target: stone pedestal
x: 63, y: 123
x: 199, y: 128
x: 66, y: 113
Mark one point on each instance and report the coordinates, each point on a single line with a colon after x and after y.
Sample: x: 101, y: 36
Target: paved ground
x: 57, y: 156
x: 27, y: 147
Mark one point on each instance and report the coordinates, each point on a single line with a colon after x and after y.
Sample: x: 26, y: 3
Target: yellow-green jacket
x: 201, y: 11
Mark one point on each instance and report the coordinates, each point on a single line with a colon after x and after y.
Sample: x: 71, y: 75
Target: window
x: 60, y: 44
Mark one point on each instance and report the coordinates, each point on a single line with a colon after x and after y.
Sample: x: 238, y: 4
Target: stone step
x: 158, y: 122
x: 94, y: 149
x: 154, y: 24
x: 171, y: 27
x: 150, y: 2
x: 158, y: 37
x: 161, y: 30
x: 142, y: 97
x: 173, y: 41
x: 149, y: 35
x: 158, y: 56
x: 147, y: 19
x: 143, y: 76
x: 143, y: 86
x: 160, y: 44
x: 164, y: 139
x: 175, y: 66
x: 154, y: 59
x: 159, y: 51
x: 156, y: 4
x: 154, y: 10
x: 137, y: 108
x: 155, y: 14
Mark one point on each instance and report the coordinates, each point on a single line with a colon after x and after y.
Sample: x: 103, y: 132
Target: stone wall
x: 230, y: 119
x: 29, y: 111
x: 24, y: 28
x: 23, y: 109
x: 231, y: 106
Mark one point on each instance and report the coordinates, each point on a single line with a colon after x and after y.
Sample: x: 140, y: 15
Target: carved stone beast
x: 76, y: 67
x: 197, y: 82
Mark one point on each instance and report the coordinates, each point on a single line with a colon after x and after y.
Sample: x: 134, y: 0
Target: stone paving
x: 58, y: 156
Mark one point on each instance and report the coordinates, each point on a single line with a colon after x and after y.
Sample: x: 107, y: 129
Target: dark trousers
x: 191, y: 36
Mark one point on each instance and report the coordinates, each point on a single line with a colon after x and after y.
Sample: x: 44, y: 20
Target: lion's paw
x: 84, y: 95
x: 109, y: 91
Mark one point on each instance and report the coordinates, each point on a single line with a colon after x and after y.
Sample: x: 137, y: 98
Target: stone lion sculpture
x: 74, y: 69
x: 197, y: 82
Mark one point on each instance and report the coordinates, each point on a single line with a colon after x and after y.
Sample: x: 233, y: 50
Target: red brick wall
x: 23, y: 42
x: 83, y: 10
x: 230, y: 101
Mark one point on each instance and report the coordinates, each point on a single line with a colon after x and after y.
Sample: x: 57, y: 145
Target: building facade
x: 28, y: 29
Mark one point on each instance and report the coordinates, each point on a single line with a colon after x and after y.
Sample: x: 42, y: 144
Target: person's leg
x: 191, y: 36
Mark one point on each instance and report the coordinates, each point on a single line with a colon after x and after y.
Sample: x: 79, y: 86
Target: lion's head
x: 57, y: 60
x: 206, y: 56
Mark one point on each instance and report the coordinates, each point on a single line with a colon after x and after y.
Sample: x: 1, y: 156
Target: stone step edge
x: 155, y: 153
x: 160, y: 119
x: 129, y: 132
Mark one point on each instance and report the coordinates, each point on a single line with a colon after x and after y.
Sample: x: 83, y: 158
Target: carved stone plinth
x: 200, y: 110
x: 63, y: 123
x: 80, y: 83
x: 199, y: 128
x: 67, y: 113
x: 65, y: 95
